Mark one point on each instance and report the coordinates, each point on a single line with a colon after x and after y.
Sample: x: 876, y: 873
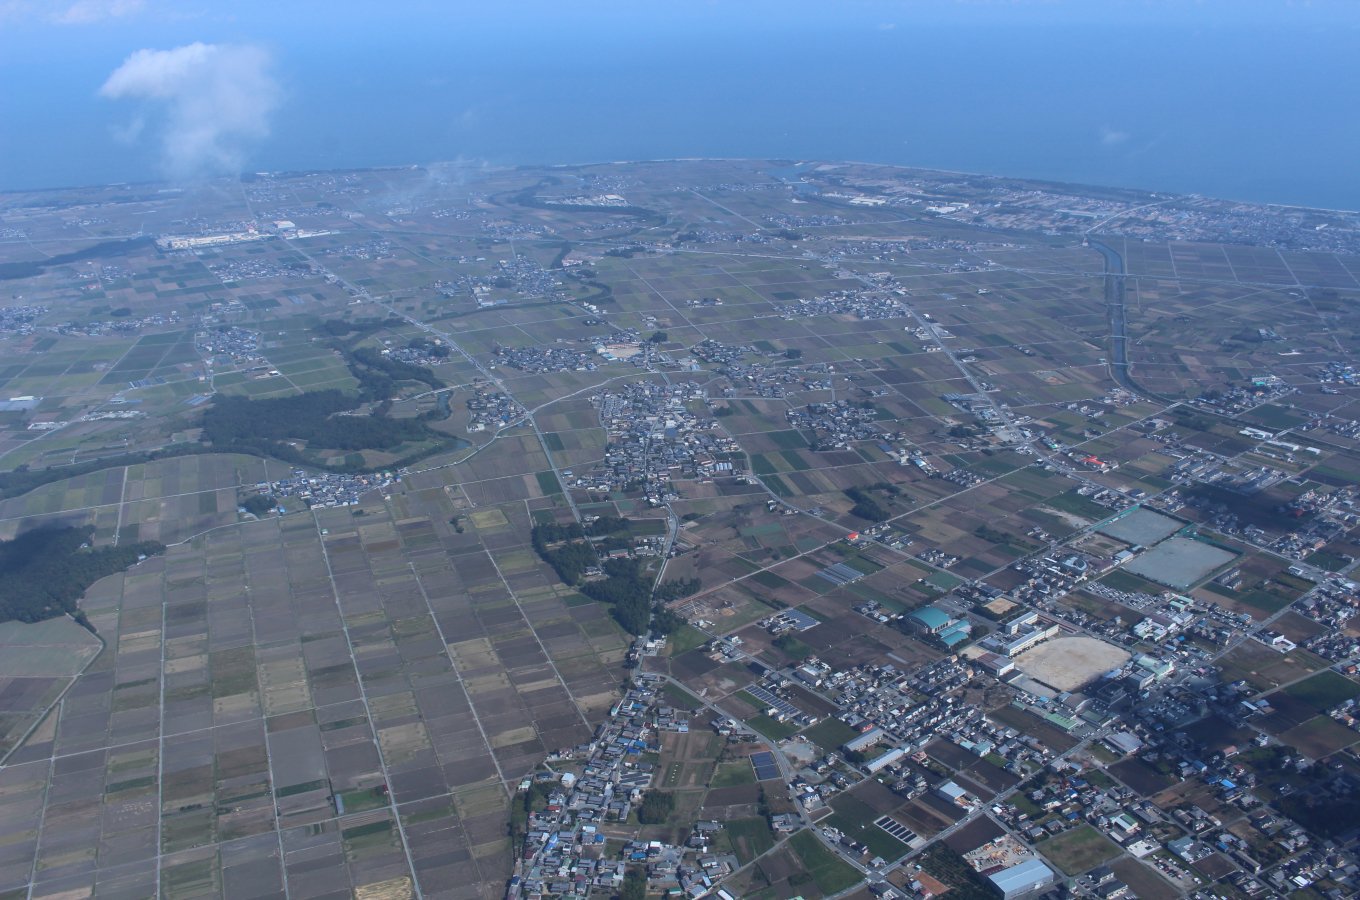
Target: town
x: 703, y: 528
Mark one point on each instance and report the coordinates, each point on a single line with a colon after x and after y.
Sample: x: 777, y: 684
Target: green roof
x: 952, y: 636
x: 1066, y: 723
x: 930, y: 617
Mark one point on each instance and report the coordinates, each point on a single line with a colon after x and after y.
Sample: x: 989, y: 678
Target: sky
x: 1191, y: 95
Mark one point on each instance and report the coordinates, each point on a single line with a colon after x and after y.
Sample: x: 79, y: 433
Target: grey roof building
x: 1022, y: 879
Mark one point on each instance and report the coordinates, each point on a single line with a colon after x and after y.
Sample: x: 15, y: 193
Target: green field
x: 1077, y: 850
x: 1074, y: 503
x: 686, y: 638
x: 855, y: 819
x: 1324, y: 690
x: 747, y: 838
x: 772, y: 728
x: 831, y: 873
x: 732, y: 773
x: 1327, y: 561
x: 548, y: 483
x: 787, y: 440
x: 830, y: 733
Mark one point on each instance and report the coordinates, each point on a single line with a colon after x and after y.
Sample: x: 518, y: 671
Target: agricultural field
x: 1080, y: 849
x: 842, y: 412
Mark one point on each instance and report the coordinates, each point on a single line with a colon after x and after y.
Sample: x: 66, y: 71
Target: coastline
x: 1075, y: 186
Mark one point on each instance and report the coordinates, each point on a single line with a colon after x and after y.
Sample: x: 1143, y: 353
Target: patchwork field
x: 285, y: 697
x: 825, y: 398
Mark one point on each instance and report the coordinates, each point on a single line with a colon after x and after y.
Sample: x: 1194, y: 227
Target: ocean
x: 1251, y: 113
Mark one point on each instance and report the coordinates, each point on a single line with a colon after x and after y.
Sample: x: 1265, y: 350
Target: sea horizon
x: 1236, y: 112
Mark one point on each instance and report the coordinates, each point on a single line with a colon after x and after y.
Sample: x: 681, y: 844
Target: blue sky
x: 54, y: 29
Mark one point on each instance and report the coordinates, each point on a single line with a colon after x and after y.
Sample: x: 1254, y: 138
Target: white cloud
x: 217, y: 100
x: 85, y: 12
x: 1112, y: 137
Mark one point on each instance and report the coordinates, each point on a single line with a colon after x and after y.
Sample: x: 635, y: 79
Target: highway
x: 1114, y: 301
x: 1115, y: 289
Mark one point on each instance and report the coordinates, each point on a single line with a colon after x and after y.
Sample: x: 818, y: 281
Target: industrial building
x: 1022, y: 879
x: 865, y: 740
x: 882, y: 761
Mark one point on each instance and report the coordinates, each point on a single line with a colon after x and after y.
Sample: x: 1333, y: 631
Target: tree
x: 608, y: 525
x: 793, y: 353
x: 675, y: 588
x: 43, y: 572
x: 656, y: 808
x: 259, y: 504
x: 634, y: 885
x: 866, y: 505
x: 658, y: 337
x: 664, y: 621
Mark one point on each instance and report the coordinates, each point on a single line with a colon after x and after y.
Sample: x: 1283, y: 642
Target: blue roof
x: 1021, y: 876
x: 930, y: 617
x: 952, y: 636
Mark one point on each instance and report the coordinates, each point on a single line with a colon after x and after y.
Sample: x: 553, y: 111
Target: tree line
x: 43, y: 572
x: 262, y: 427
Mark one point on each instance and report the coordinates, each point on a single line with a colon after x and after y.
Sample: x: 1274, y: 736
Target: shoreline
x: 1075, y: 185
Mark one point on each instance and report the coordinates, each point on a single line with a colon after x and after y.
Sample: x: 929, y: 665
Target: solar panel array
x: 896, y: 829
x: 770, y: 699
x: 763, y: 763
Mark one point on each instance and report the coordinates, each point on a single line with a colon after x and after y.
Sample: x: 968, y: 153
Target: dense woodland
x: 239, y: 423
x: 322, y: 418
x: 656, y: 808
x: 395, y: 370
x: 867, y: 506
x: 10, y: 271
x: 626, y: 587
x: 261, y: 427
x: 259, y: 504
x: 44, y: 572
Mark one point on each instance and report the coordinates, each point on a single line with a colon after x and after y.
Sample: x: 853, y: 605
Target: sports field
x: 1069, y: 663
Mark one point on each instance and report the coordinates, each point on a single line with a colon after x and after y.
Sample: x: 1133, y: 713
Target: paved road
x: 1115, y: 289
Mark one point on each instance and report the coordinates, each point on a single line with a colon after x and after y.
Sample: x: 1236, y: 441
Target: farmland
x: 816, y: 417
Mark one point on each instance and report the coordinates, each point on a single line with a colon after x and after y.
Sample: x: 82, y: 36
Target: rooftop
x: 930, y: 617
x: 1021, y: 875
